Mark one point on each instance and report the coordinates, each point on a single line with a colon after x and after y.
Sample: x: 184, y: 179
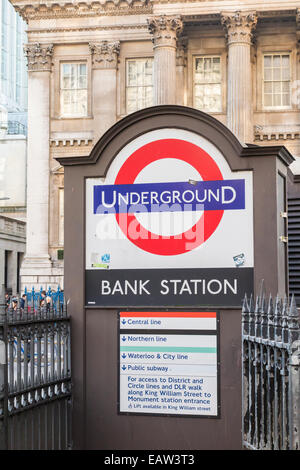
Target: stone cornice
x: 55, y: 9
x: 111, y: 27
x: 39, y: 56
x: 277, y: 132
x: 165, y: 30
x: 70, y: 139
x: 105, y: 54
x: 239, y: 26
x: 62, y: 9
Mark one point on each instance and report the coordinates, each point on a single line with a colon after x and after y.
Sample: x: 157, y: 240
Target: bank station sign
x: 169, y: 225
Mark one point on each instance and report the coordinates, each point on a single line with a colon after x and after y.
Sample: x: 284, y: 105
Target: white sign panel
x: 164, y: 370
x: 169, y: 201
x: 171, y: 223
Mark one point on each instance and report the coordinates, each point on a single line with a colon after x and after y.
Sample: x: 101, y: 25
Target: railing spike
x: 245, y: 307
x: 18, y: 311
x: 284, y: 304
x: 257, y: 304
x: 292, y: 311
x: 293, y: 322
x: 65, y: 308
x: 270, y: 310
x: 26, y: 308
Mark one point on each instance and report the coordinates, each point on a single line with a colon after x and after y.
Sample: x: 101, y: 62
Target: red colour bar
x: 169, y: 314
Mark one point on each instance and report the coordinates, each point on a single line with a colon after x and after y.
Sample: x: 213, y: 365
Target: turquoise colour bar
x: 166, y: 349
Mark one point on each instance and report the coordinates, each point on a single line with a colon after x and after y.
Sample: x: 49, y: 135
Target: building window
x: 207, y: 84
x: 73, y: 90
x: 277, y: 81
x: 61, y: 216
x: 139, y: 84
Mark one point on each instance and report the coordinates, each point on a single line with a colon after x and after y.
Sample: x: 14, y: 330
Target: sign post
x: 168, y: 223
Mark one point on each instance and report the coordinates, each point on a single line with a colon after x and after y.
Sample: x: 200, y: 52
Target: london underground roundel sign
x: 156, y: 151
x: 169, y: 202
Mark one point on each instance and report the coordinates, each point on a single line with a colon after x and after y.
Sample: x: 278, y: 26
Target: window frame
x: 267, y: 48
x: 263, y: 81
x: 60, y: 78
x: 129, y: 50
x: 131, y: 59
x: 210, y: 56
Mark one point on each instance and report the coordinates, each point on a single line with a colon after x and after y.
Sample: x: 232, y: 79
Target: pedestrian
x: 14, y: 303
x: 7, y: 299
x: 22, y: 301
x: 45, y: 301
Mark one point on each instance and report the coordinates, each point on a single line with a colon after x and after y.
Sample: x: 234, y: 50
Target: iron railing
x: 271, y: 374
x: 35, y: 377
x: 34, y: 296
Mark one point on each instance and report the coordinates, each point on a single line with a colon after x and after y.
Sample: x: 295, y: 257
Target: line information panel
x: 169, y: 363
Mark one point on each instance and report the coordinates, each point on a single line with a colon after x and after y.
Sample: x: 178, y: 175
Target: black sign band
x: 211, y: 287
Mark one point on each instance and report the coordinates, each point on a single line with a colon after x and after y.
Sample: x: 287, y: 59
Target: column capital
x: 165, y: 30
x: 239, y: 26
x: 105, y: 54
x: 39, y: 56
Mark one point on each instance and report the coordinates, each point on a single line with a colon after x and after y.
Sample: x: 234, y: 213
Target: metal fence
x: 35, y: 296
x: 35, y: 376
x: 271, y: 373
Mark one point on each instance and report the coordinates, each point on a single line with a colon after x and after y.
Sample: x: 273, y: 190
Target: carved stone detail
x: 298, y: 18
x: 277, y: 132
x: 165, y: 30
x: 105, y: 54
x: 181, y: 57
x: 239, y: 26
x: 39, y: 56
x: 298, y: 32
x: 76, y: 8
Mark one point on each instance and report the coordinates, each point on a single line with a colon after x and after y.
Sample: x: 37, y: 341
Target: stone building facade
x: 12, y: 251
x: 13, y: 113
x: 90, y: 63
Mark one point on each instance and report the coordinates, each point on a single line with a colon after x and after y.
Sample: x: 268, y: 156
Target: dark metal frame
x: 96, y: 422
x: 36, y: 383
x: 271, y: 374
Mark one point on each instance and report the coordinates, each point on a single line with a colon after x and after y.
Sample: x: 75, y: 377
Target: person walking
x: 22, y: 301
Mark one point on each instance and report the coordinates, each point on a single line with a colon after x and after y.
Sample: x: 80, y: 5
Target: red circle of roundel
x: 138, y: 160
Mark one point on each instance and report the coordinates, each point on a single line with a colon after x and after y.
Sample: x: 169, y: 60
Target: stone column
x: 181, y: 71
x: 37, y: 258
x: 105, y: 63
x: 296, y: 86
x: 12, y: 271
x: 165, y: 30
x: 239, y: 28
x: 2, y: 266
